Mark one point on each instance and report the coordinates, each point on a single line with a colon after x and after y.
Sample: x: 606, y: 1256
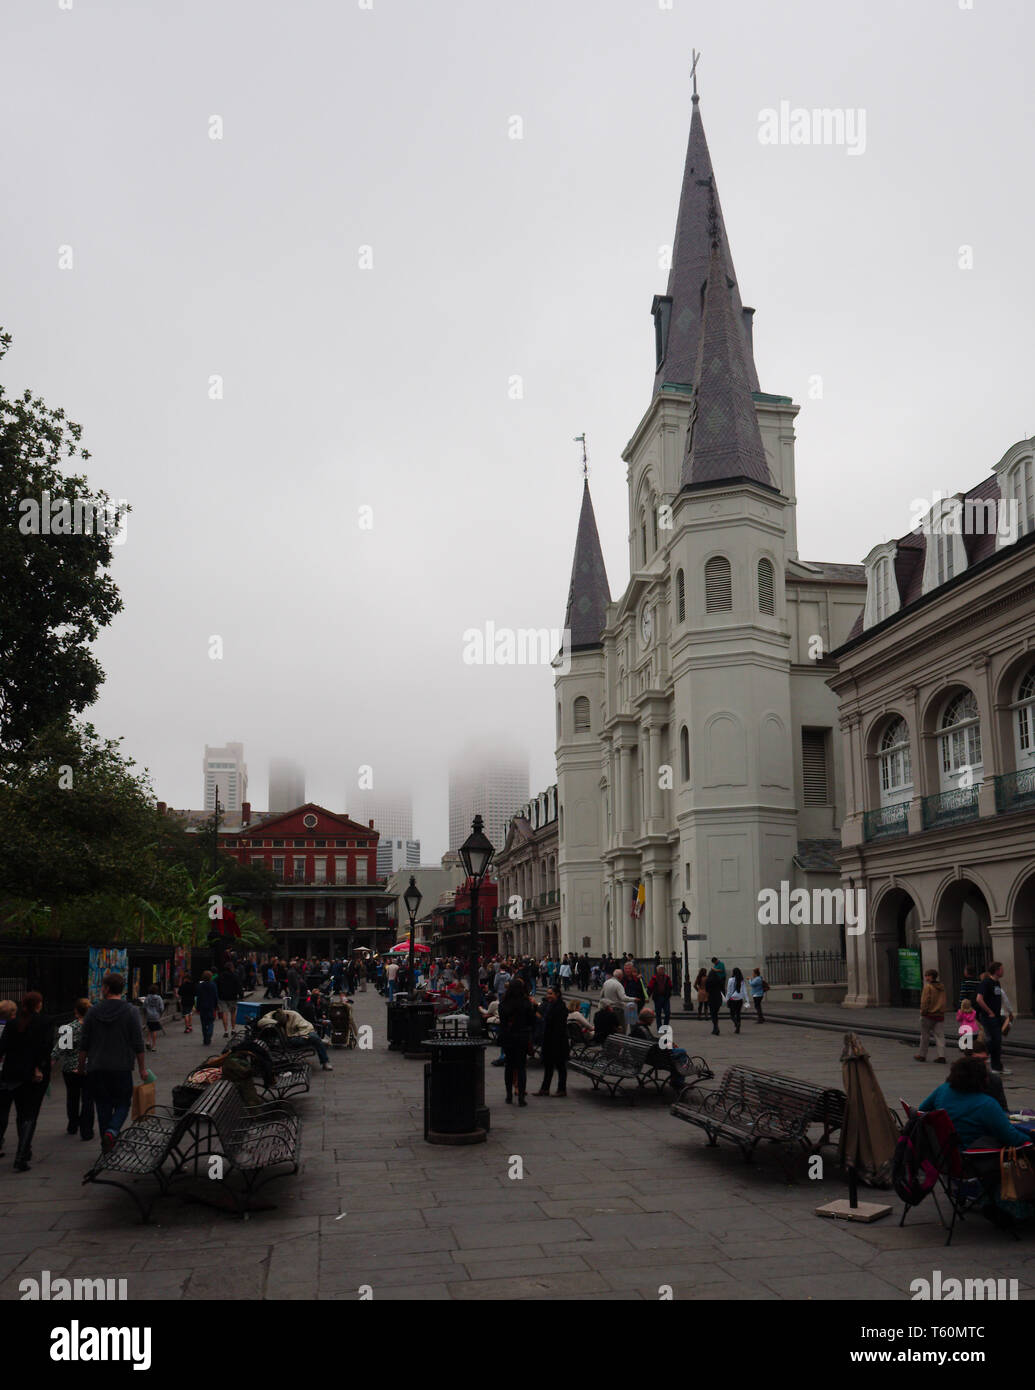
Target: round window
x: 309, y: 821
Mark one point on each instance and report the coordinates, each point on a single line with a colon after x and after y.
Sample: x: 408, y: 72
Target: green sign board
x: 909, y: 973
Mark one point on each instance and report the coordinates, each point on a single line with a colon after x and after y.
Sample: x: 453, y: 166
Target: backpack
x: 925, y: 1149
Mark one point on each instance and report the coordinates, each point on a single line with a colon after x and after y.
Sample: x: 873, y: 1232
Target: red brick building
x: 328, y: 898
x: 451, y: 929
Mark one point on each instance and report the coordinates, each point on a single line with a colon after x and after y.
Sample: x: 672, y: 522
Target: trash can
x: 419, y: 1021
x: 454, y: 1092
x: 397, y: 1021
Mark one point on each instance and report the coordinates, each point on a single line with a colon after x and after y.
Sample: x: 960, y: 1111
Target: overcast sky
x: 390, y: 387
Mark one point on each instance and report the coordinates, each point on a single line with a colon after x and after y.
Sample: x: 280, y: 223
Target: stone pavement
x: 616, y: 1199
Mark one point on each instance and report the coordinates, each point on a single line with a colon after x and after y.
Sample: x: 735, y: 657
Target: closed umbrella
x: 868, y: 1135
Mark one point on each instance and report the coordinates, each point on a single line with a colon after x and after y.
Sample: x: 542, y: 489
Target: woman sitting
x: 577, y: 1022
x: 979, y: 1121
x: 606, y: 1022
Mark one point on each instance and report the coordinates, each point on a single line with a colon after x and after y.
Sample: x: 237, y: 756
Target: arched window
x: 766, y: 588
x: 944, y: 557
x: 581, y: 712
x: 896, y: 764
x: 684, y: 754
x: 1024, y: 706
x: 882, y: 589
x: 960, y: 741
x: 680, y: 597
x: 718, y: 585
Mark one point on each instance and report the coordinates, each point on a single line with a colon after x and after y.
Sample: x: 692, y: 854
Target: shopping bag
x: 1016, y: 1176
x: 143, y: 1099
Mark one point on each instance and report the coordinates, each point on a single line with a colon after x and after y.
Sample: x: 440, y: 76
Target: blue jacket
x: 974, y: 1115
x: 208, y: 997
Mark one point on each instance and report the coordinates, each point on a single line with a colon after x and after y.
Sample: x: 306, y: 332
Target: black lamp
x: 684, y: 917
x: 412, y: 899
x: 476, y: 855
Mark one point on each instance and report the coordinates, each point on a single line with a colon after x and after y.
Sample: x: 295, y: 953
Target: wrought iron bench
x: 625, y: 1059
x: 749, y: 1107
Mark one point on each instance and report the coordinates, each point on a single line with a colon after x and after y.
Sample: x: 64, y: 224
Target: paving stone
x: 531, y: 1233
x: 582, y: 1283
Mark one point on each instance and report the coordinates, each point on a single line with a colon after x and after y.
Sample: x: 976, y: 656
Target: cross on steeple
x: 581, y: 439
x: 693, y: 69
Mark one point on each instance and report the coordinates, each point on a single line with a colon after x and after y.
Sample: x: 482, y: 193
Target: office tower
x: 287, y: 785
x: 224, y: 769
x: 489, y: 782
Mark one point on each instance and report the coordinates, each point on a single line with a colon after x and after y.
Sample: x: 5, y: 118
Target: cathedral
x: 697, y: 738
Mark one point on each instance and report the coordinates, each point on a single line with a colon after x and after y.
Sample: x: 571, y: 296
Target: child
x: 966, y: 1017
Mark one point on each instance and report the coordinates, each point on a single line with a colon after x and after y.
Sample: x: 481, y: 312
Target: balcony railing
x: 950, y: 808
x: 1015, y: 791
x: 290, y: 882
x: 886, y: 822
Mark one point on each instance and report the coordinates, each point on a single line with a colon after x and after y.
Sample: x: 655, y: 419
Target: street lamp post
x: 476, y: 854
x: 684, y: 917
x: 412, y: 899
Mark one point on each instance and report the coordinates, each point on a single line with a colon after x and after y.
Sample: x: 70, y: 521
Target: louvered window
x: 581, y: 711
x: 718, y: 585
x: 766, y: 594
x: 680, y: 597
x: 684, y: 754
x: 814, y: 767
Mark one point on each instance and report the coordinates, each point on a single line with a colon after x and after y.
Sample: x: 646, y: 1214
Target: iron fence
x: 806, y: 968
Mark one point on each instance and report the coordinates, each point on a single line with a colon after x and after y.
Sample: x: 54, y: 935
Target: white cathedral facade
x: 697, y: 739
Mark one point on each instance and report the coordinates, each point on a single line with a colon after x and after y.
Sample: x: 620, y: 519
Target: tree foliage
x: 55, y: 592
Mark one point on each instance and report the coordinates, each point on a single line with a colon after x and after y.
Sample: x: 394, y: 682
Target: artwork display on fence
x: 105, y: 960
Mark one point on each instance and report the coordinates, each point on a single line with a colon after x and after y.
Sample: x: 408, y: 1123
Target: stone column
x: 627, y: 791
x: 654, y: 794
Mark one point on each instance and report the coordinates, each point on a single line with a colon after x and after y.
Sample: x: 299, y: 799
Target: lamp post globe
x: 412, y: 899
x: 476, y: 854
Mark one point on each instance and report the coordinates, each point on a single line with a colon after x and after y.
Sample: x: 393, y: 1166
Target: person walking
x: 736, y: 995
x: 154, y: 1008
x: 932, y: 1017
x: 228, y: 988
x: 25, y: 1046
x: 517, y: 1019
x: 110, y: 1041
x: 565, y: 974
x: 990, y: 1010
x: 555, y: 1042
x: 186, y: 995
x: 660, y: 991
x: 208, y: 1006
x: 78, y: 1103
x: 714, y: 989
x: 758, y: 987
x: 701, y: 991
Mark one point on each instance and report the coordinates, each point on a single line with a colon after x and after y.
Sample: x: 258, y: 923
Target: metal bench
x: 749, y: 1107
x: 625, y: 1059
x: 154, y: 1147
x: 281, y: 1074
x: 256, y: 1146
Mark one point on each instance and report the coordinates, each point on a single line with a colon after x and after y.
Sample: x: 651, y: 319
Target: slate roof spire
x: 588, y: 593
x: 678, y: 312
x: 723, y: 441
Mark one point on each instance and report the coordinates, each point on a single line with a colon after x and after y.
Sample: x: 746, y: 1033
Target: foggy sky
x: 492, y: 258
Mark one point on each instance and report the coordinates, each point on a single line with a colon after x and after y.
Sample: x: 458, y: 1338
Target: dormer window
x: 946, y: 556
x: 882, y: 599
x: 662, y: 311
x: 1015, y: 473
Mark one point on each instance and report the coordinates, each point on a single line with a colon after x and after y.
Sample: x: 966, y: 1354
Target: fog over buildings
x: 332, y: 290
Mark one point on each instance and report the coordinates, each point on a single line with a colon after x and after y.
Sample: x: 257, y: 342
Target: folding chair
x: 967, y: 1177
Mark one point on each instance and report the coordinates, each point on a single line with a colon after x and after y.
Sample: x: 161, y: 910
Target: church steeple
x: 723, y: 441
x: 678, y: 313
x: 588, y: 593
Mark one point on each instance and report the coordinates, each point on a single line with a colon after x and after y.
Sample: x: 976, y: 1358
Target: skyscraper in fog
x: 287, y: 785
x: 391, y: 812
x: 224, y: 770
x: 489, y: 782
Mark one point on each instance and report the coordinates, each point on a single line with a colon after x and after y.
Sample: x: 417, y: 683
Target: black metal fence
x: 646, y: 965
x: 806, y: 968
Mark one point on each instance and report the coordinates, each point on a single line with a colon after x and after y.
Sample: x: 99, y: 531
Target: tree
x: 55, y: 592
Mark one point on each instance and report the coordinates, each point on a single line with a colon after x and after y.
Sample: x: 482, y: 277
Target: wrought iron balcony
x: 1015, y: 791
x: 886, y: 822
x: 950, y: 808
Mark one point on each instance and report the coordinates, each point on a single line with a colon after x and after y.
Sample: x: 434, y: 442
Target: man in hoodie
x: 228, y: 989
x: 110, y: 1041
x: 208, y: 1006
